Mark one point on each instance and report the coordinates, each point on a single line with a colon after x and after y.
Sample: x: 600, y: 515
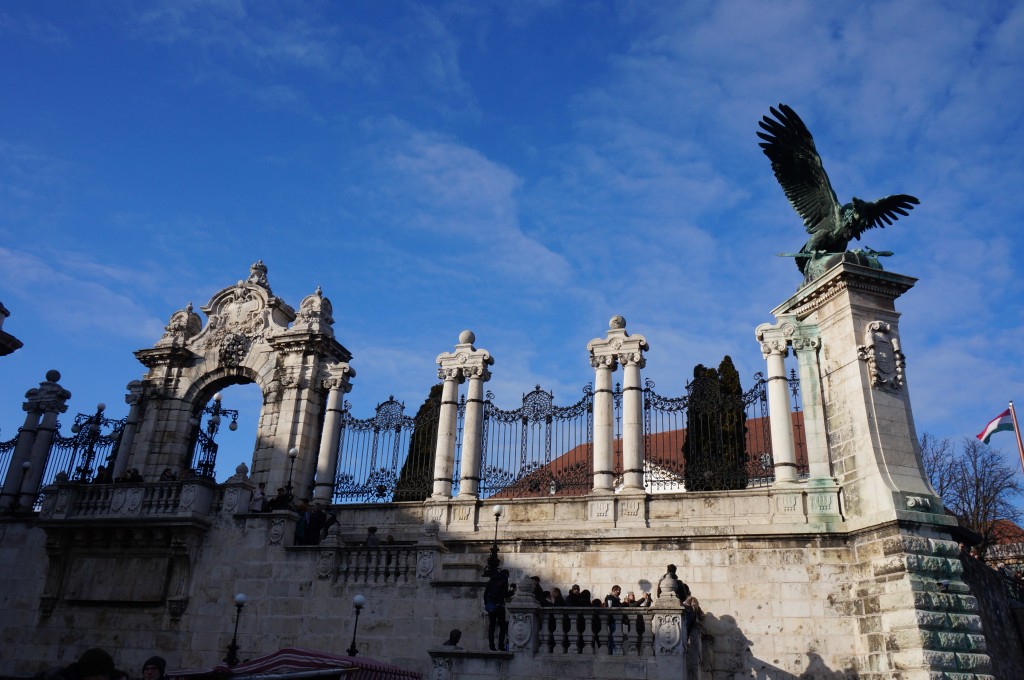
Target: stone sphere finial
x: 616, y: 322
x: 467, y: 337
x: 53, y: 375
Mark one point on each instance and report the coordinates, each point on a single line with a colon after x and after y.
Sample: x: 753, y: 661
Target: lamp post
x: 206, y: 448
x: 493, y: 562
x: 16, y: 502
x: 232, y: 657
x: 293, y: 453
x: 358, y: 601
x: 87, y: 440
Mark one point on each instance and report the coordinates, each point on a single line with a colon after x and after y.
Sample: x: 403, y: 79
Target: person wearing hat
x: 154, y: 668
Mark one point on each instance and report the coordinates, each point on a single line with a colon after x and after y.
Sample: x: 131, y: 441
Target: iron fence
x: 704, y: 439
x: 538, y: 449
x: 6, y: 453
x: 388, y: 457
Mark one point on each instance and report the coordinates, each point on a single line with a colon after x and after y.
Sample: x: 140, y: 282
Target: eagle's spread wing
x: 883, y: 211
x: 790, y: 147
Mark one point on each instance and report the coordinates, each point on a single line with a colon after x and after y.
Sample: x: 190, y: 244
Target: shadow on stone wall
x: 1001, y: 616
x: 731, y: 655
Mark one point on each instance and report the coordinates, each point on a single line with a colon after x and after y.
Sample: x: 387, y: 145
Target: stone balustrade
x: 152, y: 500
x: 381, y: 564
x: 618, y: 631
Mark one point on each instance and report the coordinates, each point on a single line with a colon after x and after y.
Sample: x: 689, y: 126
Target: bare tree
x: 975, y: 484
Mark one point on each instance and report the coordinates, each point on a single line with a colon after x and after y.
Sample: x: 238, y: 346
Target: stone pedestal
x: 872, y: 443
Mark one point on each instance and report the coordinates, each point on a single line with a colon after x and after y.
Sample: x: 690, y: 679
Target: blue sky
x: 523, y: 169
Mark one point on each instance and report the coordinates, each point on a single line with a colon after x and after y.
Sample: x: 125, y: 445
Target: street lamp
x: 16, y: 501
x: 493, y: 562
x: 232, y: 657
x: 88, y: 439
x: 358, y: 601
x: 293, y: 453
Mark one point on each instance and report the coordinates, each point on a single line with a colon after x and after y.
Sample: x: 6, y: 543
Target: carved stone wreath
x: 881, y: 351
x: 233, y: 349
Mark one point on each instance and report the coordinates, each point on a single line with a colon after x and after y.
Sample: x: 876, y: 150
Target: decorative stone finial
x: 616, y: 322
x: 258, y: 275
x: 52, y: 375
x: 467, y: 337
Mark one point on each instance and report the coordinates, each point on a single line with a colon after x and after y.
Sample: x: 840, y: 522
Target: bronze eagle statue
x: 789, y: 146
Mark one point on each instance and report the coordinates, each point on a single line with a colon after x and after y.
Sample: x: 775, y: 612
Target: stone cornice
x: 844, y: 277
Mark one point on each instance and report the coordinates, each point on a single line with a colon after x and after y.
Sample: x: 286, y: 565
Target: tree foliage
x: 975, y: 483
x: 715, y: 445
x: 416, y: 477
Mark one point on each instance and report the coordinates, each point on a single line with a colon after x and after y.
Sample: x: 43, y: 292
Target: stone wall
x: 797, y: 603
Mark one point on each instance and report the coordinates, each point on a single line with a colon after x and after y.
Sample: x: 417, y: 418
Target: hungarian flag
x: 1001, y: 423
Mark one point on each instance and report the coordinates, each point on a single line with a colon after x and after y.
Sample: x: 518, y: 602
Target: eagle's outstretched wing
x: 790, y: 147
x: 883, y: 211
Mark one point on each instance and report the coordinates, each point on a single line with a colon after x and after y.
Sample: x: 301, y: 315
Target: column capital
x: 466, y: 361
x: 617, y: 347
x: 339, y: 376
x: 136, y: 393
x: 48, y: 397
x: 788, y: 332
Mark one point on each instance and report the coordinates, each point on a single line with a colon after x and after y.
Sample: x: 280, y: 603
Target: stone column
x: 774, y: 348
x: 618, y: 347
x: 52, y: 401
x: 327, y: 458
x: 131, y: 426
x: 472, y: 437
x: 22, y: 452
x: 604, y: 422
x: 454, y: 368
x: 632, y: 422
x: 444, y: 452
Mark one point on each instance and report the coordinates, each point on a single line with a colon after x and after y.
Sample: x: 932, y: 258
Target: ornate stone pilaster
x: 454, y: 367
x: 134, y: 399
x: 618, y: 347
x: 327, y: 459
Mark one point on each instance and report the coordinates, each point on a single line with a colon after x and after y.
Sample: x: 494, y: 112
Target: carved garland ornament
x: 881, y: 351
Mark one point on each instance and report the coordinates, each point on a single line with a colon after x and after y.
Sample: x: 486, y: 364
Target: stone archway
x: 251, y: 336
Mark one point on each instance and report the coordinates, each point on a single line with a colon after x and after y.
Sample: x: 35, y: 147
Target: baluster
x: 545, y: 629
x: 574, y: 636
x: 646, y: 640
x: 591, y: 632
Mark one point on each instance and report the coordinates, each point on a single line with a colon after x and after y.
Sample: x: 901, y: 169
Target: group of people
x: 97, y: 664
x: 583, y: 598
x: 498, y: 591
x: 105, y: 475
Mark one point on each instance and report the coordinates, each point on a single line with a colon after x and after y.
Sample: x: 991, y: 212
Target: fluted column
x: 472, y: 439
x: 618, y: 347
x: 604, y: 422
x: 774, y: 348
x: 632, y: 421
x: 327, y: 458
x: 131, y: 426
x: 52, y: 400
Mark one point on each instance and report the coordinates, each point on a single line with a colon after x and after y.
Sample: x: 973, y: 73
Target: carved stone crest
x: 521, y: 632
x: 188, y: 496
x: 276, y: 531
x: 881, y: 351
x: 325, y: 565
x: 667, y: 634
x: 424, y: 564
